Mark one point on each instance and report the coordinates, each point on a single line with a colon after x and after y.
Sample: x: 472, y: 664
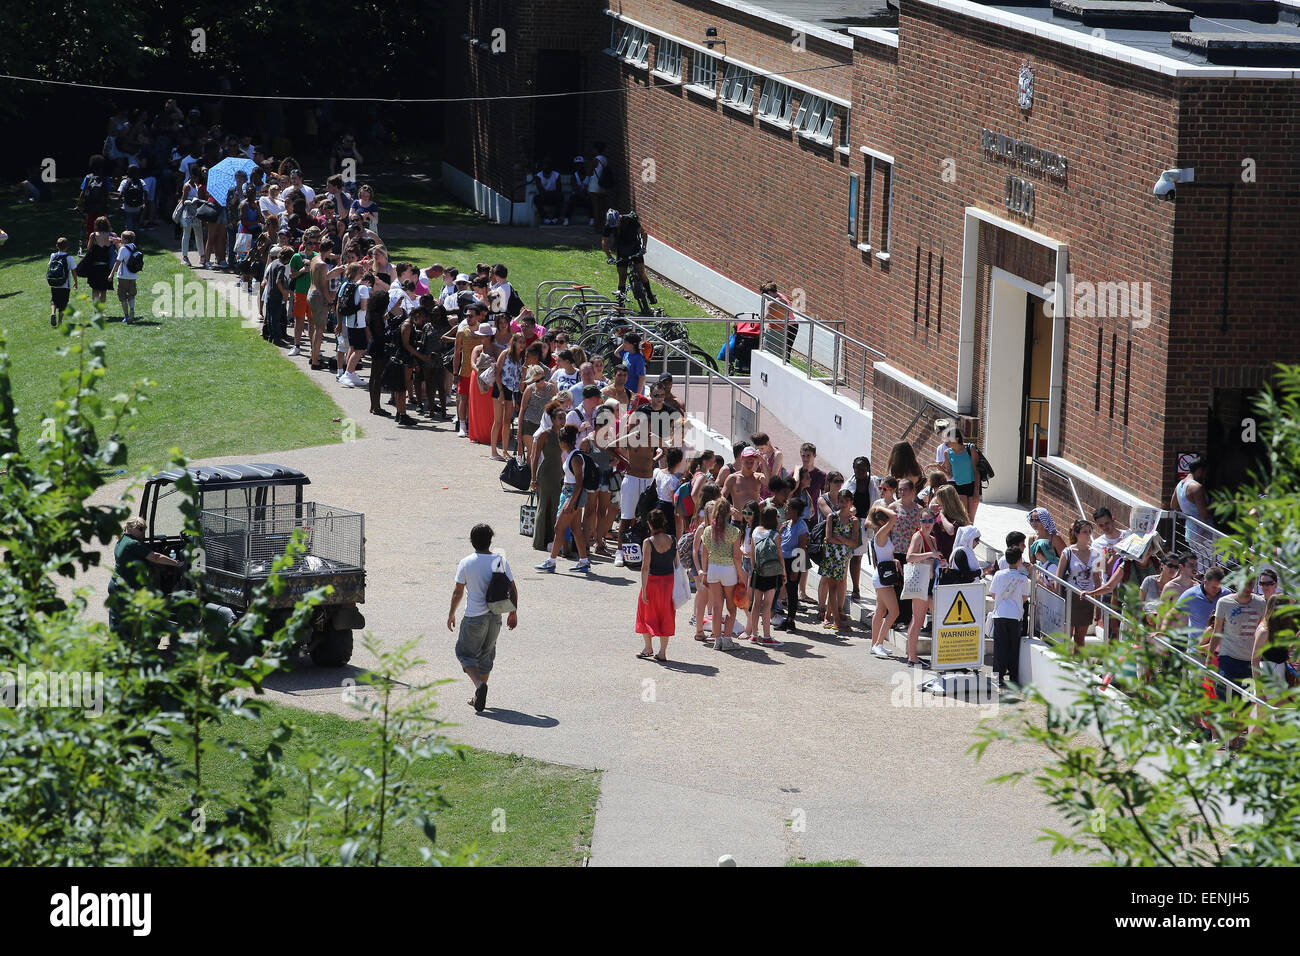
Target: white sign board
x: 958, y: 626
x: 1049, y: 610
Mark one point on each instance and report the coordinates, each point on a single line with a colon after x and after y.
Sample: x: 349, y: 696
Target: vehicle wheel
x: 333, y: 649
x: 596, y: 342
x: 703, y: 356
x: 565, y: 322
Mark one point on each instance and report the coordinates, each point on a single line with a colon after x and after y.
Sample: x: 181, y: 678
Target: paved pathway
x: 816, y: 750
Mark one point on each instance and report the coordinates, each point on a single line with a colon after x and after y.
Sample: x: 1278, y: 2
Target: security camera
x: 1165, y: 186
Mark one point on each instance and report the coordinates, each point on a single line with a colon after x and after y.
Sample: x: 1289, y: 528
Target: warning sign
x: 958, y: 630
x: 959, y: 613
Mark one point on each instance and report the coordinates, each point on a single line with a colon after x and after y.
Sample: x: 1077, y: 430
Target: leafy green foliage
x: 1168, y: 774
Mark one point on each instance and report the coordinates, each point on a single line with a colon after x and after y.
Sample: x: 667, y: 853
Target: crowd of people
x: 602, y: 445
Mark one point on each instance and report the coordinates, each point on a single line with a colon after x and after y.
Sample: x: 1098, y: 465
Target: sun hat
x: 486, y: 329
x: 535, y: 373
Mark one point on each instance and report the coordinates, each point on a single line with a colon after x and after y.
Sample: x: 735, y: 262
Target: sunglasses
x: 927, y: 519
x: 1268, y: 582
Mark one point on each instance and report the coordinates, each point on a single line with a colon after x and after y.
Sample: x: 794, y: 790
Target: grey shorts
x: 476, y: 644
x: 317, y: 308
x: 125, y: 288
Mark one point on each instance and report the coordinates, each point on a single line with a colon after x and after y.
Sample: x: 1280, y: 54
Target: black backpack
x: 135, y: 261
x: 817, y: 543
x: 590, y: 475
x: 347, y: 302
x: 133, y: 195
x: 94, y: 195
x: 515, y: 305
x: 57, y: 273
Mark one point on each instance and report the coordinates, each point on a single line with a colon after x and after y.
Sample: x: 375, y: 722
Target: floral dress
x: 836, y: 560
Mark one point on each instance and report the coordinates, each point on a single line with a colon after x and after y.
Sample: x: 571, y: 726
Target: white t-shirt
x: 72, y: 264
x: 1010, y: 588
x: 549, y: 183
x: 475, y: 572
x: 940, y: 453
x: 398, y: 299
x: 123, y: 256
x: 186, y: 163
x: 579, y: 417
x: 1239, y: 623
x: 307, y: 192
x: 666, y: 483
x: 503, y: 289
x: 1078, y: 572
x: 566, y: 380
x: 358, y: 319
x: 121, y: 189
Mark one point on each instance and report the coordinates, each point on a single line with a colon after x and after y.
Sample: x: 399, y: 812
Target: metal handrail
x: 1038, y: 462
x: 648, y: 332
x: 1124, y: 619
x: 839, y: 341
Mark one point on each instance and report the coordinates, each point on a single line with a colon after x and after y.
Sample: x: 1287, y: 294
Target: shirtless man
x: 322, y: 268
x: 742, y: 487
x: 635, y: 450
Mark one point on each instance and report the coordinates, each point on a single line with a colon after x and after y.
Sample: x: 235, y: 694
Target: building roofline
x: 803, y: 26
x: 885, y: 36
x: 1106, y: 48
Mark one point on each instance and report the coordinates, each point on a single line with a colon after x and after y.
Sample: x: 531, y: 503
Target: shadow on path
x: 521, y: 720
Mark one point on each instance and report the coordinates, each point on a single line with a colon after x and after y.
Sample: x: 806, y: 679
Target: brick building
x: 971, y: 187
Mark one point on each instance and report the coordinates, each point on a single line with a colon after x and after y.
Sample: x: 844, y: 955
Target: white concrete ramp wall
x: 834, y: 423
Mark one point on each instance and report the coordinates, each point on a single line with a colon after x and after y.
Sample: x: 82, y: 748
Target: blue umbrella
x: 221, y: 177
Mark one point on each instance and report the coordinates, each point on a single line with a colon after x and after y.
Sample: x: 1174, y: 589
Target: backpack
x: 133, y: 195
x: 516, y: 304
x: 94, y: 197
x: 683, y: 503
x: 817, y: 543
x: 767, y: 555
x: 631, y: 544
x: 347, y: 301
x: 135, y: 261
x: 57, y: 273
x: 273, y: 294
x: 590, y: 474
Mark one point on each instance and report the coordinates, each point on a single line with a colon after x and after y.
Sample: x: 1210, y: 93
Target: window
x: 777, y: 102
x: 844, y: 132
x: 704, y: 71
x: 668, y: 58
x: 631, y: 43
x: 853, y: 207
x: 878, y: 239
x: 816, y: 118
x: 738, y: 87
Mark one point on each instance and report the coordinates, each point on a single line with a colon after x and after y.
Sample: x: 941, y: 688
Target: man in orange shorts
x: 300, y: 276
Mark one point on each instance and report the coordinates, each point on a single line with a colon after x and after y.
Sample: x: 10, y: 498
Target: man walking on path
x: 476, y: 645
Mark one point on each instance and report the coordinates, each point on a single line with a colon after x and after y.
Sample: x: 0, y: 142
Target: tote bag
x: 916, y: 580
x: 528, y: 516
x: 681, y: 587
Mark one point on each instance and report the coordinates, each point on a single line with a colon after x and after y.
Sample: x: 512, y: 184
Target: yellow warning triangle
x: 960, y: 612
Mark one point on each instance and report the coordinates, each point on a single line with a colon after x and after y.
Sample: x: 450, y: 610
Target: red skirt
x: 656, y: 614
x: 480, y: 412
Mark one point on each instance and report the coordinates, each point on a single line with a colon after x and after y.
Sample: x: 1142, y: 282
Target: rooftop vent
x: 1242, y: 49
x: 1124, y: 14
x: 1260, y: 11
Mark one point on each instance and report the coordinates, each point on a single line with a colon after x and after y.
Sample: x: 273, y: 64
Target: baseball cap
x: 578, y: 159
x: 590, y: 391
x: 462, y: 278
x: 749, y: 452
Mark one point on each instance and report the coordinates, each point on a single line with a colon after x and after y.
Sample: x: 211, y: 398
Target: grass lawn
x: 549, y: 809
x: 218, y: 388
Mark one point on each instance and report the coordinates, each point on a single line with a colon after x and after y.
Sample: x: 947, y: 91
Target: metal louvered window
x: 668, y: 57
x: 738, y: 87
x: 704, y: 71
x: 777, y: 102
x: 816, y: 118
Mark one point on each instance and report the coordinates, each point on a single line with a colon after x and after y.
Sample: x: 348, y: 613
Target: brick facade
x: 755, y: 202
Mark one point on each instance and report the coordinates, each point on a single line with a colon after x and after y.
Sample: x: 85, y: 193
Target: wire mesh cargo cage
x: 240, y: 546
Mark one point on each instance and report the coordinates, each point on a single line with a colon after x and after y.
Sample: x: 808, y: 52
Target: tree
x: 1162, y: 774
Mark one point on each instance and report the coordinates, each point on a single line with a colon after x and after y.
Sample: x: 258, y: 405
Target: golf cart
x: 249, y: 515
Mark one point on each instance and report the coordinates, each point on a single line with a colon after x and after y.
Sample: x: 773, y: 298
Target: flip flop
x: 661, y: 660
x: 702, y: 637
x: 644, y: 656
x: 480, y: 697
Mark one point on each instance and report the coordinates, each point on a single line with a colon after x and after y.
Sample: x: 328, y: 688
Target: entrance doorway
x: 1016, y: 396
x: 556, y: 119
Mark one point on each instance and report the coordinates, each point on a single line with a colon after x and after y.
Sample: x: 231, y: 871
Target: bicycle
x: 576, y: 318
x: 640, y: 289
x: 607, y: 334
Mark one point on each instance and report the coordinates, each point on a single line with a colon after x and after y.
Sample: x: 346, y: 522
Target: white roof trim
x: 1114, y: 51
x: 949, y: 405
x: 882, y: 35
x: 757, y: 71
x: 883, y: 157
x: 811, y: 29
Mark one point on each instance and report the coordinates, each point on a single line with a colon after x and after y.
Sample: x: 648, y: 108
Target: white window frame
x: 816, y: 119
x: 738, y: 80
x: 777, y: 102
x: 887, y: 226
x: 702, y: 63
x: 668, y: 57
x: 631, y: 44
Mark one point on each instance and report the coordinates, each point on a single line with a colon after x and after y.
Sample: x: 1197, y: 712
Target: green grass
x: 405, y: 200
x: 219, y: 389
x: 549, y: 809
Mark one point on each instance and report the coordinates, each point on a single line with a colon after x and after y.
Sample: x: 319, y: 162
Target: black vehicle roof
x: 217, y: 477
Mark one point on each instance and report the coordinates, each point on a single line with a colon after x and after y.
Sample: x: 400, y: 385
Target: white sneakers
x: 464, y: 430
x: 295, y: 351
x: 355, y: 380
x: 879, y: 650
x: 618, y: 559
x: 566, y: 222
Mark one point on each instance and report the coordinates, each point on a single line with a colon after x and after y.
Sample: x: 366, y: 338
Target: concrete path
x: 815, y: 750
